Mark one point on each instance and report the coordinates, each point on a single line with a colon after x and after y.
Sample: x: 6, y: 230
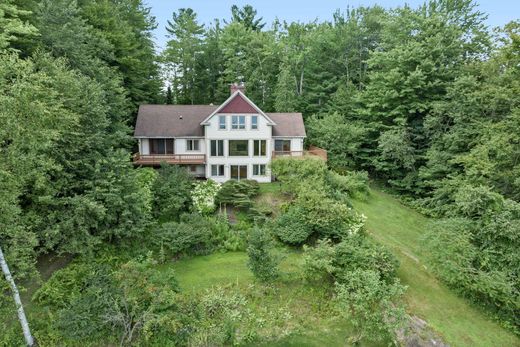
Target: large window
x: 238, y: 122
x: 222, y: 122
x: 254, y: 122
x: 259, y: 148
x: 259, y: 170
x: 217, y: 148
x: 238, y: 172
x: 192, y: 145
x: 282, y: 145
x: 238, y: 148
x: 217, y: 170
x: 161, y: 146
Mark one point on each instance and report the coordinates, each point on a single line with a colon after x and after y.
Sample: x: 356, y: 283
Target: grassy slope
x: 401, y: 228
x: 308, y: 307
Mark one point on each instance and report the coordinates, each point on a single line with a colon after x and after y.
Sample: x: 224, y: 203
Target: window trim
x: 259, y: 174
x: 237, y: 156
x: 192, y: 141
x: 220, y: 117
x: 254, y: 117
x: 216, y: 148
x: 238, y: 125
x: 218, y: 170
x: 283, y: 140
x: 259, y: 147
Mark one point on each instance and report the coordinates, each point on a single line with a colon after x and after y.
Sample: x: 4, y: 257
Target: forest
x: 421, y: 102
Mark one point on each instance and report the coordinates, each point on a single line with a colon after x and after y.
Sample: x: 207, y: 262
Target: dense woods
x: 423, y: 100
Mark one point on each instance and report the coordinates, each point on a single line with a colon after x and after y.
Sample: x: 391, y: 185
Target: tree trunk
x: 21, y: 314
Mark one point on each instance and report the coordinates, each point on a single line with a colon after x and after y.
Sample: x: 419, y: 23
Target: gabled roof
x: 241, y: 101
x: 165, y: 121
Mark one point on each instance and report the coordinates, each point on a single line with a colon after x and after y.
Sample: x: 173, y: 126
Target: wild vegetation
x: 422, y: 100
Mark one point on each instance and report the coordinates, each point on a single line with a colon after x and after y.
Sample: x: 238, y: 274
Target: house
x: 235, y: 140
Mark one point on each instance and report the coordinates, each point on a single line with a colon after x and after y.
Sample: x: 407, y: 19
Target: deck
x: 179, y: 159
x: 312, y: 151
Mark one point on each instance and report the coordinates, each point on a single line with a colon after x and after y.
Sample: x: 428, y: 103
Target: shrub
x: 293, y: 172
x: 352, y: 183
x: 262, y: 262
x: 111, y: 304
x: 292, y: 227
x: 475, y: 202
x: 238, y: 193
x: 203, y: 196
x: 172, y: 192
x: 191, y: 235
x: 371, y: 305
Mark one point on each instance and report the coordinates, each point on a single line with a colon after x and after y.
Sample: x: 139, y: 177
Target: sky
x: 499, y: 12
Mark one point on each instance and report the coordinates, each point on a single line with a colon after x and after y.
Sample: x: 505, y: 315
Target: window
x: 217, y: 170
x: 238, y: 172
x: 238, y: 148
x: 259, y: 148
x: 254, y: 122
x: 193, y: 168
x: 238, y: 122
x: 192, y: 145
x: 259, y: 170
x: 161, y: 146
x: 282, y: 145
x: 217, y: 148
x: 222, y: 122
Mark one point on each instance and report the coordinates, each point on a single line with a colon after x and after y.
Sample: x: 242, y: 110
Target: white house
x: 235, y: 140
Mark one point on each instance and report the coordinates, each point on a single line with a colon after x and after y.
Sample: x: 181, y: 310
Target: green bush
x: 352, y: 183
x: 335, y: 261
x: 371, y: 305
x: 172, y: 192
x: 238, y: 193
x: 130, y: 302
x: 292, y: 227
x: 296, y: 173
x: 262, y: 262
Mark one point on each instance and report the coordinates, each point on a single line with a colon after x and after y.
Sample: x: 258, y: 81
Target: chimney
x: 237, y: 86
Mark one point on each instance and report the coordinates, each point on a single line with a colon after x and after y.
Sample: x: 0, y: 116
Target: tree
x: 247, y: 16
x: 262, y: 262
x: 370, y: 305
x: 182, y: 53
x: 169, y: 96
x: 13, y: 25
x: 16, y: 296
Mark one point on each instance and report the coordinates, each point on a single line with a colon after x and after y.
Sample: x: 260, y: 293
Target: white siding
x: 214, y: 133
x: 181, y: 145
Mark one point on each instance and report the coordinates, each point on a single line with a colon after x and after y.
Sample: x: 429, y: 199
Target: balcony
x: 179, y: 159
x: 312, y: 151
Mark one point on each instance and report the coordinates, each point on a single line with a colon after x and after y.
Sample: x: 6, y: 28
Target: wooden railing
x: 157, y: 159
x: 313, y: 151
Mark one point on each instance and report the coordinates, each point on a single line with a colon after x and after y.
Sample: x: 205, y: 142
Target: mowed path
x: 453, y: 317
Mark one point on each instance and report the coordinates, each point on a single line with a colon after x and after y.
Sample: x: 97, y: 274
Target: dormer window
x: 222, y: 122
x: 238, y: 122
x: 254, y: 122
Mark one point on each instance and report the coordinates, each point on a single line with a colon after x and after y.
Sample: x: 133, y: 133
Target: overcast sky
x: 499, y: 12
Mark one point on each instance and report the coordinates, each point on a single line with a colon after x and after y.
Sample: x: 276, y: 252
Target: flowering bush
x: 203, y: 196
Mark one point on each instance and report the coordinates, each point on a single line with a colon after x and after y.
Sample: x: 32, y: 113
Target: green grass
x: 311, y: 321
x: 460, y: 323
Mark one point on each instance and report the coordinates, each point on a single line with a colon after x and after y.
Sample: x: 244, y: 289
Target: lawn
x: 459, y: 322
x: 305, y: 309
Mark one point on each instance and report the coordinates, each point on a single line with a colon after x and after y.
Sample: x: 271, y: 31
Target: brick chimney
x: 237, y: 86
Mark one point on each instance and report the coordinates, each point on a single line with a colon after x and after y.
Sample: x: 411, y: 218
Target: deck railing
x: 157, y: 159
x: 312, y: 151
